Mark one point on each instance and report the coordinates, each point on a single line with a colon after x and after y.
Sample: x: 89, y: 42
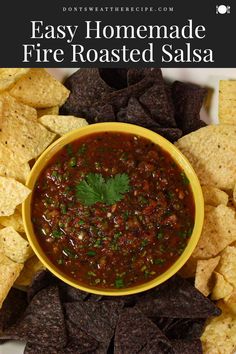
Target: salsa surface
x: 121, y: 244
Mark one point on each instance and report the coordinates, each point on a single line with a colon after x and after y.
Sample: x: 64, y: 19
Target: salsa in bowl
x: 115, y: 209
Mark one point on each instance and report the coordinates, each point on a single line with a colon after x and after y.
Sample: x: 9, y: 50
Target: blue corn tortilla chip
x: 176, y: 298
x: 13, y: 307
x: 97, y: 319
x: 187, y: 347
x: 105, y: 114
x: 188, y: 100
x: 135, y: 114
x: 135, y: 333
x: 71, y: 294
x: 43, y: 321
x: 41, y: 280
x: 155, y: 100
x: 87, y: 91
x: 136, y: 75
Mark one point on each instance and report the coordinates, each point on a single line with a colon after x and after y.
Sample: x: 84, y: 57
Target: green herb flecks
x: 57, y: 234
x: 91, y: 253
x: 184, y: 178
x: 94, y: 188
x: 119, y: 283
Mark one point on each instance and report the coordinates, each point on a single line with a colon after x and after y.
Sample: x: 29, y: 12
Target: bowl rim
x: 178, y: 157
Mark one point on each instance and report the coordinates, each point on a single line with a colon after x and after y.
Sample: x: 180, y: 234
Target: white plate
x: 206, y: 77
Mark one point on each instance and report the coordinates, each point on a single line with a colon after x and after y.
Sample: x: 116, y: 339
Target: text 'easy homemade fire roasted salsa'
x: 113, y: 210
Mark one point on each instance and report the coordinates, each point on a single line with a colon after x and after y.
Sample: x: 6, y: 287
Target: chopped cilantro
x: 184, y: 178
x: 159, y: 261
x: 82, y: 149
x: 73, y: 162
x: 160, y: 235
x: 94, y: 188
x: 69, y: 149
x: 144, y: 243
x: 57, y: 233
x: 67, y: 252
x: 119, y: 283
x: 91, y: 253
x: 81, y: 222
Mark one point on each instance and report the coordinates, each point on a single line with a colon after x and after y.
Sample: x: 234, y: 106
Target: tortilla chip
x: 222, y: 288
x: 62, y: 124
x: 48, y: 111
x: 25, y: 137
x: 14, y: 220
x: 10, y: 106
x: 9, y: 271
x: 227, y: 265
x: 220, y: 333
x: 227, y: 101
x: 12, y: 166
x: 9, y: 76
x: 31, y: 267
x: 12, y: 193
x: 230, y: 301
x: 212, y: 152
x: 40, y: 90
x: 204, y: 272
x: 14, y: 246
x: 219, y: 231
x: 214, y: 196
x: 234, y: 195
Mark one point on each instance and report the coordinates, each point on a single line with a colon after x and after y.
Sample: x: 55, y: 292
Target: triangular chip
x: 25, y: 137
x: 9, y: 76
x: 12, y: 193
x: 234, y: 195
x: 62, y: 124
x: 11, y: 164
x: 227, y: 265
x: 222, y: 288
x: 219, y: 231
x: 227, y: 101
x: 43, y: 320
x: 212, y: 152
x: 14, y: 246
x: 214, y: 196
x: 10, y: 106
x: 220, y: 333
x: 204, y: 273
x: 9, y: 271
x: 14, y: 220
x: 40, y: 90
x: 48, y: 111
x: 31, y: 267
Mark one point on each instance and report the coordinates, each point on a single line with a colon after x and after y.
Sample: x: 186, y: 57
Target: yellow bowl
x: 126, y: 128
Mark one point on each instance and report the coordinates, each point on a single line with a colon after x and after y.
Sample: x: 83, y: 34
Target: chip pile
x: 29, y: 102
x: 136, y: 96
x: 56, y: 318
x: 212, y: 153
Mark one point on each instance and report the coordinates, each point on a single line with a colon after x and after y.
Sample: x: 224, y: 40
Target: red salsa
x: 112, y: 210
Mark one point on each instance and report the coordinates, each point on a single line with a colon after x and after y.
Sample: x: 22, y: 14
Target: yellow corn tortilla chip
x: 25, y: 137
x: 219, y: 336
x: 9, y: 271
x: 234, y: 195
x: 230, y: 301
x: 10, y: 106
x: 14, y: 220
x: 40, y: 90
x: 214, y: 196
x: 219, y: 231
x: 14, y: 246
x: 222, y: 288
x: 227, y: 101
x: 48, y: 111
x: 12, y: 193
x: 9, y: 76
x: 212, y: 152
x: 227, y: 265
x: 31, y: 267
x: 205, y: 269
x: 62, y: 124
x: 12, y: 166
